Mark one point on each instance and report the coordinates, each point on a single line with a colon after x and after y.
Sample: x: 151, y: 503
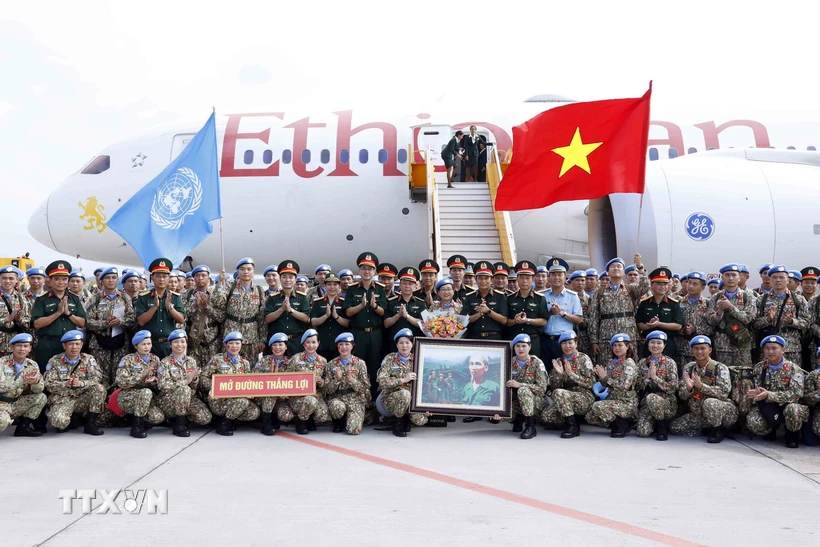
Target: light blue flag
x: 172, y: 214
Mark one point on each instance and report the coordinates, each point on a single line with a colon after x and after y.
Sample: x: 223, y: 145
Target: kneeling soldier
x: 273, y: 408
x: 177, y: 380
x: 620, y: 404
x: 348, y: 387
x: 394, y: 379
x: 136, y: 379
x: 21, y: 388
x: 658, y: 387
x: 571, y: 378
x: 529, y: 383
x: 310, y: 408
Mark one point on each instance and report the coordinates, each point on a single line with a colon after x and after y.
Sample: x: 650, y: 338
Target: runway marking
x: 500, y: 494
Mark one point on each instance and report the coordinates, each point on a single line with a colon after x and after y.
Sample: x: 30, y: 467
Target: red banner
x: 280, y: 384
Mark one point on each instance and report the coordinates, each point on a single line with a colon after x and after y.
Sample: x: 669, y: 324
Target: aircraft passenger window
x: 402, y: 155
x: 790, y: 148
x: 306, y: 156
x: 248, y: 159
x: 98, y: 165
x: 382, y: 156
x: 812, y: 148
x: 267, y: 157
x: 692, y: 150
x: 362, y: 156
x: 673, y: 152
x: 344, y: 156
x: 653, y: 154
x: 324, y: 156
x: 285, y: 156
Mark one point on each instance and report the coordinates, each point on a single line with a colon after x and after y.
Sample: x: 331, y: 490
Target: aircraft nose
x: 38, y: 225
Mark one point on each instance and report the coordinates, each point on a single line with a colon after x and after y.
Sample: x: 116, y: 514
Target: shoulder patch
x: 414, y: 297
x: 629, y: 370
x: 300, y: 293
x: 394, y: 297
x: 673, y: 298
x: 798, y: 376
x: 645, y: 298
x: 539, y: 293
x: 471, y: 293
x: 379, y: 284
x: 274, y: 293
x: 724, y: 373
x: 146, y: 292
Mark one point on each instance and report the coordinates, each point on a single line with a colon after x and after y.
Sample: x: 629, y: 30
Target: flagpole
x: 640, y: 215
x: 221, y: 232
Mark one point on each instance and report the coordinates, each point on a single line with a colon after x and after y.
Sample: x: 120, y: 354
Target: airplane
x: 321, y: 188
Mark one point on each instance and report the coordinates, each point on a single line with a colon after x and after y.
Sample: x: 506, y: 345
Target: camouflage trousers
x: 202, y: 354
x: 266, y: 404
x: 655, y: 407
x: 108, y: 360
x: 240, y: 408
x: 815, y: 422
x: 525, y: 402
x: 81, y: 400
x: 566, y: 403
x: 397, y: 403
x: 714, y: 413
x: 27, y: 406
x: 183, y: 402
x: 735, y: 358
x: 309, y: 405
x: 794, y: 414
x: 249, y: 351
x: 742, y: 382
x: 604, y: 413
x: 140, y: 402
x: 349, y: 405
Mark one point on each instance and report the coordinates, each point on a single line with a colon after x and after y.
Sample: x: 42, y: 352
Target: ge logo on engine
x: 700, y: 226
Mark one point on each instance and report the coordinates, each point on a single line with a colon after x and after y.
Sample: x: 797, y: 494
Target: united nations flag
x: 172, y: 214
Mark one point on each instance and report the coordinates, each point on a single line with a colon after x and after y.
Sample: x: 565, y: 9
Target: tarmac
x: 470, y: 485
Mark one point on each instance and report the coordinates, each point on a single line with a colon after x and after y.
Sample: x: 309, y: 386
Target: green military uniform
x: 535, y: 306
x: 414, y: 307
x: 287, y: 323
x: 162, y: 323
x: 668, y: 310
x: 458, y: 262
x: 330, y: 329
x: 427, y: 266
x: 485, y: 327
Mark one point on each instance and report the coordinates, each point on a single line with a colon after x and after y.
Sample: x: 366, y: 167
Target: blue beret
x: 110, y: 270
x: 776, y: 339
x: 128, y: 275
x: 71, y: 336
x: 602, y: 274
x: 236, y: 274
x: 700, y: 339
x: 630, y: 268
x: 675, y: 276
x: 442, y: 282
x: 278, y: 337
x: 794, y: 274
x: 521, y: 338
x: 344, y: 337
x: 576, y: 274
x: 601, y: 391
x: 777, y: 268
x: 592, y: 272
x: 620, y: 337
x: 697, y: 275
x: 730, y: 268
x: 140, y: 336
x: 403, y: 332
x: 37, y: 270
x: 302, y: 279
x: 177, y: 333
x: 76, y: 273
x: 269, y: 269
x: 345, y: 272
x: 514, y: 275
x: 684, y: 277
x: 174, y: 273
x: 233, y: 335
x: 98, y: 270
x: 308, y: 333
x: 657, y: 335
x: 141, y: 275
x: 744, y: 268
x: 714, y: 280
x: 246, y: 260
x: 541, y: 269
x: 567, y: 335
x: 21, y: 338
x: 613, y: 261
x: 201, y: 268
x: 322, y: 268
x: 189, y: 275
x: 765, y: 268
x: 12, y: 269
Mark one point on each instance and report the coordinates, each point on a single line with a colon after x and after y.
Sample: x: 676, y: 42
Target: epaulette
x: 274, y: 293
x: 645, y: 298
x: 175, y: 293
x: 356, y: 284
x: 673, y: 298
x: 537, y: 292
x: 300, y: 292
x: 146, y: 292
x: 471, y: 293
x: 317, y: 298
x: 392, y: 297
x: 500, y: 292
x: 416, y: 297
x: 570, y: 291
x: 380, y: 284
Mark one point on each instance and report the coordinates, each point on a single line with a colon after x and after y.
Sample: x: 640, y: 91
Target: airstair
x: 461, y: 220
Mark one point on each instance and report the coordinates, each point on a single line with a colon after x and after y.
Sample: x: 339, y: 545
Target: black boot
x: 224, y: 427
x: 405, y: 422
x: 275, y: 421
x: 137, y: 430
x: 339, y: 425
x: 181, y: 426
x: 571, y: 427
x: 301, y: 426
x: 661, y: 431
x: 518, y: 424
x: 311, y: 424
x: 469, y: 419
x: 620, y: 429
x: 39, y: 424
x: 398, y: 427
x: 809, y: 438
x: 529, y: 429
x: 449, y: 418
x: 90, y: 427
x: 715, y: 435
x: 267, y: 424
x: 24, y: 429
x: 792, y: 439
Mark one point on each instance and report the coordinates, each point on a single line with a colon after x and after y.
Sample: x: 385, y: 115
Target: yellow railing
x: 502, y: 218
x: 423, y: 175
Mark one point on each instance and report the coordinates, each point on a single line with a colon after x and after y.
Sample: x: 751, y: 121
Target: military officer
x: 660, y: 311
x: 571, y: 379
x: 501, y: 275
x: 619, y: 378
x: 240, y: 307
x: 272, y: 279
x: 526, y: 309
x: 540, y: 279
x: 591, y: 281
x: 160, y: 310
x: 793, y: 283
x: 72, y: 381
x: 564, y: 308
x: 230, y: 362
x: 394, y: 378
x: 365, y: 304
x: 657, y: 388
x: 319, y: 275
x: 386, y: 273
x: 55, y: 313
x: 15, y: 312
x: 512, y: 282
x: 301, y: 284
x: 445, y: 302
x: 487, y: 308
x: 137, y: 380
x: 808, y: 288
x: 403, y: 310
x: 328, y: 317
x: 469, y: 278
x: 765, y: 281
x: 529, y: 383
x: 274, y: 410
x: 309, y: 409
x: 693, y: 306
x: 21, y: 388
x: 808, y: 282
x: 202, y: 341
x: 576, y: 284
x: 456, y: 265
x: 36, y: 280
x: 131, y: 285
x: 705, y: 385
x: 429, y: 270
x: 778, y: 388
x: 631, y: 274
x: 110, y: 313
x: 347, y: 386
x: 76, y: 285
x: 784, y: 313
x: 288, y: 310
x: 345, y: 281
x: 177, y: 381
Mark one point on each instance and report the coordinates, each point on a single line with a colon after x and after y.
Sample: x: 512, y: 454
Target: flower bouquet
x: 443, y: 324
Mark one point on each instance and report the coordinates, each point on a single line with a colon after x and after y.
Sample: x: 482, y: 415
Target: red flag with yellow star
x: 577, y: 151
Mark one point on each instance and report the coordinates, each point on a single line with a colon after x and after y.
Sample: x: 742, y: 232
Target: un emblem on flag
x: 179, y: 196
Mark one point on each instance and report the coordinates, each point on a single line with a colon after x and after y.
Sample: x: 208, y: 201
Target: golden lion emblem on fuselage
x: 93, y: 214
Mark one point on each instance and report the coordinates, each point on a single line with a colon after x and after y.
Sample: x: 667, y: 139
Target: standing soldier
x: 319, y: 275
x: 36, y: 281
x: 177, y: 381
x: 365, y: 304
x: 657, y: 388
x: 512, y: 282
x: 527, y: 310
x: 456, y: 265
x: 591, y: 281
x: 387, y: 275
x: 202, y: 342
x: 429, y: 270
x: 540, y: 279
x: 240, y: 307
x: 744, y: 276
x: 529, y: 384
x: 793, y: 283
x: 660, y: 311
x: 808, y: 282
x: 72, y: 380
x: 311, y: 408
x: 576, y: 285
x: 109, y: 314
x: 21, y: 388
x: 327, y: 317
x: 564, y: 309
x: 501, y: 277
x: 486, y: 307
x: 782, y: 312
x: 403, y: 310
x: 394, y: 379
x: 469, y: 278
x: 714, y: 286
x: 705, y: 385
x: 694, y: 307
x: 808, y: 288
x: 15, y: 313
x: 56, y: 313
x: 137, y: 380
x: 571, y: 379
x: 345, y: 281
x: 131, y: 285
x: 288, y: 310
x: 160, y: 310
x: 347, y: 386
x: 766, y: 282
x: 272, y: 279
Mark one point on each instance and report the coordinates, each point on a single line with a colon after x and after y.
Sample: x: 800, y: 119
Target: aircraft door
x: 436, y: 138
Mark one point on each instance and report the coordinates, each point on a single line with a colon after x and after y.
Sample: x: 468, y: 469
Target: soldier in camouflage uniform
x: 72, y: 381
x: 612, y: 308
x: 240, y: 306
x: 657, y: 387
x: 621, y: 404
x: 778, y: 388
x: 107, y: 310
x: 784, y: 313
x: 230, y: 362
x: 21, y: 388
x: 571, y: 379
x: 576, y: 285
x: 529, y: 383
x: 15, y: 311
x: 177, y: 381
x: 36, y: 283
x: 274, y: 410
x: 811, y: 398
x: 137, y: 380
x: 318, y: 290
x: 705, y: 385
x: 732, y: 312
x: 311, y: 408
x: 394, y: 378
x: 202, y: 322
x: 694, y: 307
x: 348, y: 387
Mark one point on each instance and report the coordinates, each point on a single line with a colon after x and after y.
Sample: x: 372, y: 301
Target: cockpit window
x: 98, y: 165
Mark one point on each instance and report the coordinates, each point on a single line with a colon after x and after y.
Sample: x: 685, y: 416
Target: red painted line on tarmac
x: 500, y: 494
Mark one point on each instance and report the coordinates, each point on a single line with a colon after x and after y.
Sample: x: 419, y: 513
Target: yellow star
x: 576, y: 153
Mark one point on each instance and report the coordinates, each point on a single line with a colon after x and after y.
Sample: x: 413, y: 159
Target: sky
x: 78, y: 77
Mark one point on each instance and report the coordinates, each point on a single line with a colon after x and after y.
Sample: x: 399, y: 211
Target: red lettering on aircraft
x: 232, y: 134
x: 674, y: 136
x: 345, y: 130
x: 710, y: 132
x: 300, y: 135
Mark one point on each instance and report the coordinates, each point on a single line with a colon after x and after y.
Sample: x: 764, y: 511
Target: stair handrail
x: 433, y: 211
x: 502, y: 218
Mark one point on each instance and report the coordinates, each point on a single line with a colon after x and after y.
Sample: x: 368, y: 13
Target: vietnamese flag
x: 577, y: 151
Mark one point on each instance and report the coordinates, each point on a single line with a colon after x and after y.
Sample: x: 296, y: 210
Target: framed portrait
x: 461, y: 377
